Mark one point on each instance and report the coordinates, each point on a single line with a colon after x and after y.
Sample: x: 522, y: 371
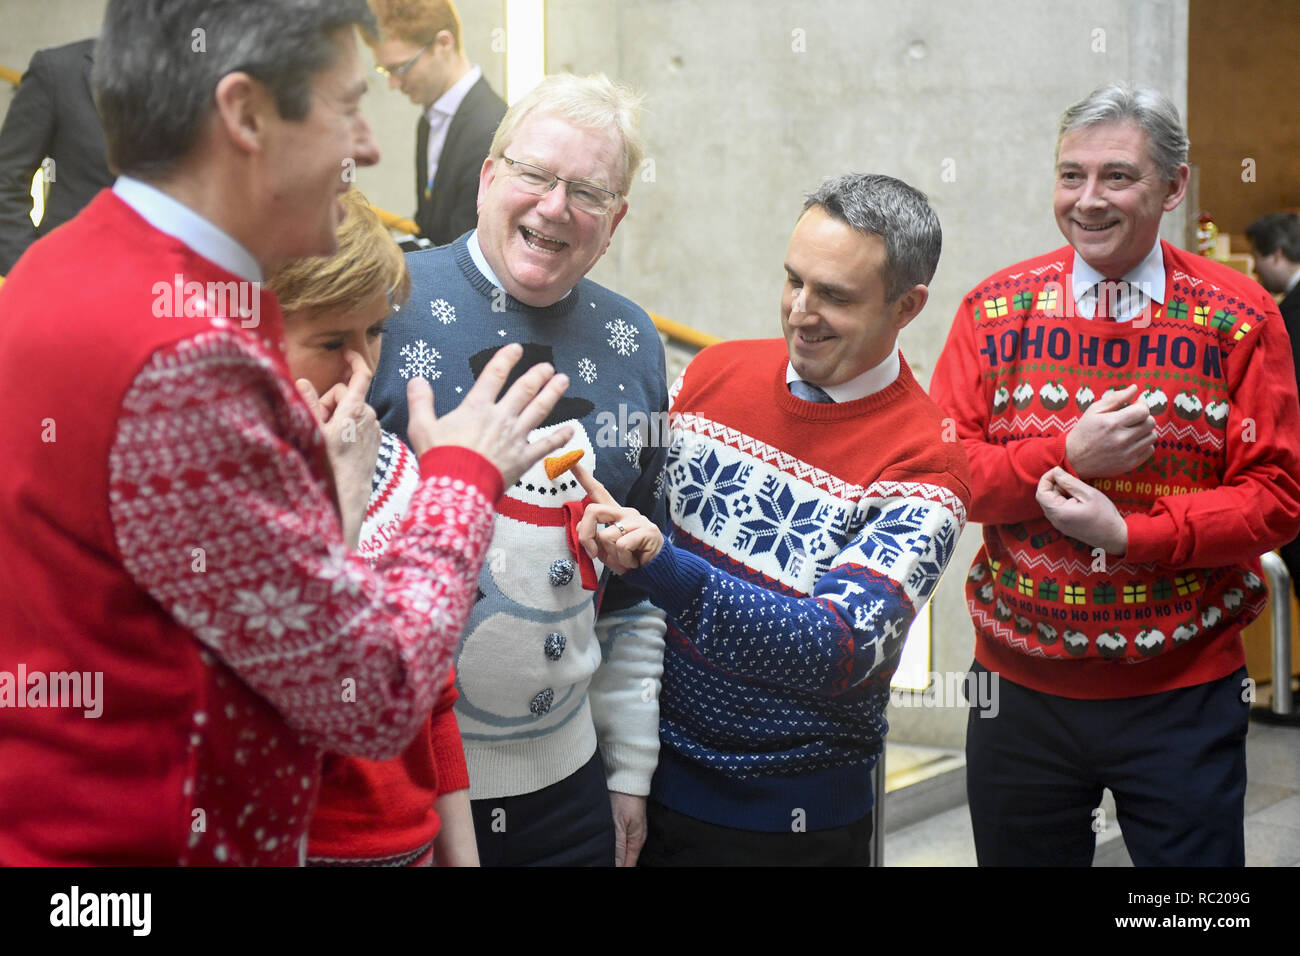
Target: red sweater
x: 166, y: 521
x: 381, y: 812
x: 1214, y: 365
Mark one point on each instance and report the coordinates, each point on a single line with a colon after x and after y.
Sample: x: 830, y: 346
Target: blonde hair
x: 592, y: 102
x: 367, y: 261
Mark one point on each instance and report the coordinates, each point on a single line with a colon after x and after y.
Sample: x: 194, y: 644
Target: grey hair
x: 158, y: 62
x: 591, y: 102
x: 1150, y: 109
x: 897, y: 213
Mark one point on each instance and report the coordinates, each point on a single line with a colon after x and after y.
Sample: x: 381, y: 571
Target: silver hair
x: 897, y: 213
x: 591, y: 102
x: 1150, y: 109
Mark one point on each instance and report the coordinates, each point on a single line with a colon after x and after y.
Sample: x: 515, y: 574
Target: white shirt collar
x: 1292, y: 282
x: 480, y: 260
x: 181, y: 222
x: 446, y: 105
x: 1147, y: 277
x: 873, y: 380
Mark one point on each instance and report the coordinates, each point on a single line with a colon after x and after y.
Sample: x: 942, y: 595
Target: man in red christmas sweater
x: 169, y: 530
x: 1131, y: 421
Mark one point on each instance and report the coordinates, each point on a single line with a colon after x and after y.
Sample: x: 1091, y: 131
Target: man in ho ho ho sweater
x: 814, y: 505
x: 1148, y: 456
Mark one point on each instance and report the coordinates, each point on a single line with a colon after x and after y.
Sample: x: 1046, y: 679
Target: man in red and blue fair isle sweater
x: 168, y: 517
x: 814, y: 506
x: 1130, y: 415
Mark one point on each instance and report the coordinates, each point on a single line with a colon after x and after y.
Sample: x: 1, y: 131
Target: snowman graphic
x: 530, y: 641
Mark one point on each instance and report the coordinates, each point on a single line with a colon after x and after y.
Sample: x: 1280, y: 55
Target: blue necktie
x: 808, y: 392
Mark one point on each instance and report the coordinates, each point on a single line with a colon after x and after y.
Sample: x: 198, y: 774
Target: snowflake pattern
x: 634, y: 442
x: 420, y: 361
x: 271, y: 610
x: 893, y: 533
x: 622, y: 337
x: 443, y: 311
x: 934, y: 558
x: 792, y: 531
x: 703, y: 488
x: 661, y: 481
x: 587, y: 370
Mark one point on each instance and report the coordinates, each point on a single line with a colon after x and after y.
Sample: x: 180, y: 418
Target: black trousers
x: 1175, y: 761
x: 569, y: 823
x: 674, y: 839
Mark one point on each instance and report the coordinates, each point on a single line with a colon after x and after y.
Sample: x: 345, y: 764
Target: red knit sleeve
x: 221, y: 514
x: 1004, y: 476
x: 444, y: 734
x: 1257, y: 505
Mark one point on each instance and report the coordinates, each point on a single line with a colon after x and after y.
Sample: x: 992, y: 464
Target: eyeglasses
x: 400, y: 71
x: 538, y: 181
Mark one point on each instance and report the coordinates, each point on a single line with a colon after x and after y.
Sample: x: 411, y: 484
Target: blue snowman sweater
x: 546, y: 669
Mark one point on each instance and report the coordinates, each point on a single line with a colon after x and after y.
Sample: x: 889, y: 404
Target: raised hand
x: 497, y: 430
x: 1113, y: 436
x: 352, y: 436
x: 628, y: 540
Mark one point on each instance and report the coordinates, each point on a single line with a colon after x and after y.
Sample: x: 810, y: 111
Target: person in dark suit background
x: 52, y: 115
x: 419, y: 49
x: 1275, y: 242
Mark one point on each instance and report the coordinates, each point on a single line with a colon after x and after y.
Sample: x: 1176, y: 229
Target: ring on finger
x: 619, y: 526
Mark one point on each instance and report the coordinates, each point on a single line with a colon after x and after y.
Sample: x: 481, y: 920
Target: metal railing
x: 1281, y: 710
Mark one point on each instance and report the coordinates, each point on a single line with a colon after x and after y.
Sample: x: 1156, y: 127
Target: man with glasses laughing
x: 557, y: 673
x: 419, y: 50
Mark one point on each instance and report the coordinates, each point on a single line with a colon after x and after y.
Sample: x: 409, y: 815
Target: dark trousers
x: 674, y: 839
x: 1175, y: 761
x: 569, y: 823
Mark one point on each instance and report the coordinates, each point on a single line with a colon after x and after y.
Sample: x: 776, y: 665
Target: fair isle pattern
x: 868, y: 563
x: 1169, y: 432
x: 397, y: 475
x: 783, y: 462
x: 213, y: 451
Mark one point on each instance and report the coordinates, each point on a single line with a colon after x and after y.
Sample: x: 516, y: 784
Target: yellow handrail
x: 683, y: 333
x: 10, y: 76
x: 392, y: 220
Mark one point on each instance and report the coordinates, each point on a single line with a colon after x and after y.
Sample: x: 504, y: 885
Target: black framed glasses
x: 539, y: 181
x: 400, y: 71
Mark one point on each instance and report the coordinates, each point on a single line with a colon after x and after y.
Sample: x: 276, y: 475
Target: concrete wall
x: 750, y: 104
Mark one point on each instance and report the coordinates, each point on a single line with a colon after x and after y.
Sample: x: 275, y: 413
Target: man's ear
x: 618, y: 217
x: 241, y: 104
x: 485, y: 177
x: 1177, y: 188
x: 909, y: 305
x: 444, y: 42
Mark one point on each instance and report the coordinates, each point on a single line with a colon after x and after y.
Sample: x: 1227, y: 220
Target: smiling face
x: 317, y: 340
x: 306, y: 160
x: 540, y: 246
x: 836, y: 321
x: 1109, y: 195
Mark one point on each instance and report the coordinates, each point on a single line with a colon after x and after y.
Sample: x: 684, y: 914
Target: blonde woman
x: 412, y: 810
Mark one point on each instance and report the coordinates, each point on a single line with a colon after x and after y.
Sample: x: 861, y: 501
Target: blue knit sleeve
x: 850, y: 629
